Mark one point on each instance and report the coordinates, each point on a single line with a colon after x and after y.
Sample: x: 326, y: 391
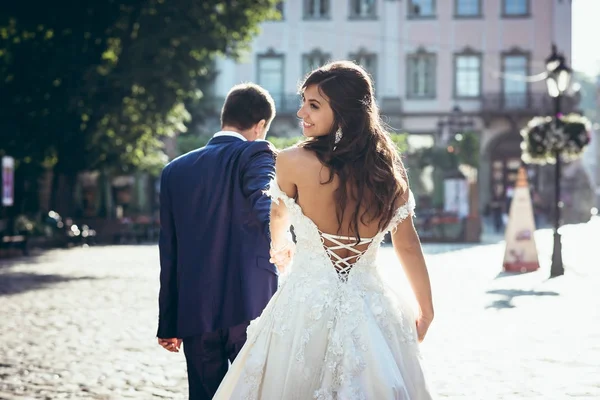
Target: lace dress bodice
x: 314, y: 245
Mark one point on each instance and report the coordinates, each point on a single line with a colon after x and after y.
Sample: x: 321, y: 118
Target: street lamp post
x: 558, y: 80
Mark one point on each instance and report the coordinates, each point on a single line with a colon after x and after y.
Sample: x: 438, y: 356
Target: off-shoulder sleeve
x: 276, y: 194
x: 404, y: 211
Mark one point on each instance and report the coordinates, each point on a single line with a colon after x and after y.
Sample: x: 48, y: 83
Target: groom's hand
x: 172, y: 344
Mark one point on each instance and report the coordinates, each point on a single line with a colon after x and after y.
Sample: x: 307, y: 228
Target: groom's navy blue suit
x: 214, y: 252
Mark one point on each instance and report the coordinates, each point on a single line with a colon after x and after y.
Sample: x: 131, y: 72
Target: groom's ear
x: 259, y: 128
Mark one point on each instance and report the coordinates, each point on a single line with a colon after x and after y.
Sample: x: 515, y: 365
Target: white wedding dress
x: 333, y: 330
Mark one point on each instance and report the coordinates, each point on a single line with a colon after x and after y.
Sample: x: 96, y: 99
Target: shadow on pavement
x: 35, y: 257
x: 505, y: 274
x: 510, y: 294
x: 12, y: 283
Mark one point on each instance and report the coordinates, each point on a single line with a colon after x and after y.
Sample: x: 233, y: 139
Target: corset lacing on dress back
x: 343, y: 265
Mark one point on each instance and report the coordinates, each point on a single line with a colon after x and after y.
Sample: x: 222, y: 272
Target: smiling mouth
x: 307, y: 125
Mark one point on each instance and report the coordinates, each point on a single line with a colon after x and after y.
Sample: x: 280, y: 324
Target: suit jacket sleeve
x: 167, y: 298
x: 257, y: 172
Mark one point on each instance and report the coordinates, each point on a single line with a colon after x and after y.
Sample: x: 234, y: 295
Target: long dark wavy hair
x: 365, y: 160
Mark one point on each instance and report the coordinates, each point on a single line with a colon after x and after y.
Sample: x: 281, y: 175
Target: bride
x: 334, y: 330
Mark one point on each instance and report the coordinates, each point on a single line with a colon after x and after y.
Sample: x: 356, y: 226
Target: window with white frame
x: 421, y: 8
x: 515, y: 7
x: 468, y: 8
x: 467, y: 75
x: 368, y: 61
x: 316, y: 9
x: 514, y: 82
x: 314, y: 60
x: 270, y: 75
x: 420, y: 77
x: 362, y: 8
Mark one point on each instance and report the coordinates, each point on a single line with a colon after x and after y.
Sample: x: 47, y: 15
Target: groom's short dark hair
x: 246, y: 104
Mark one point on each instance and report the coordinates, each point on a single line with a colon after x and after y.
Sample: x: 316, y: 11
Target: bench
x: 8, y: 239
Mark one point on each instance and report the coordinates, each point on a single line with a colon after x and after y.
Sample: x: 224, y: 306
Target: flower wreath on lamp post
x: 545, y: 137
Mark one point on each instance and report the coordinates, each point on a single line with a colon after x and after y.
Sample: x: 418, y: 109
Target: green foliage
x: 461, y: 150
x: 189, y: 142
x: 91, y: 84
x: 466, y: 148
x: 281, y: 143
x: 401, y: 141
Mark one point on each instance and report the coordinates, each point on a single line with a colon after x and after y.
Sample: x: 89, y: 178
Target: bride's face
x: 316, y: 113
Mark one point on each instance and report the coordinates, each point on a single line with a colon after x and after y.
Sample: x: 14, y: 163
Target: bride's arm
x: 280, y: 223
x: 279, y: 227
x: 408, y: 249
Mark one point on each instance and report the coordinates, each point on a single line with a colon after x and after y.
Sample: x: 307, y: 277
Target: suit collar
x: 230, y: 134
x: 225, y: 137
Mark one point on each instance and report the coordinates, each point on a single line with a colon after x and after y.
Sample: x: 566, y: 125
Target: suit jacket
x: 214, y: 237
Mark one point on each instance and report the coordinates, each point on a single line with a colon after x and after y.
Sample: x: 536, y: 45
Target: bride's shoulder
x: 296, y: 156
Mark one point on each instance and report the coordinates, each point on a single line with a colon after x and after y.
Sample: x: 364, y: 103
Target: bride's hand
x: 282, y: 257
x: 423, y: 322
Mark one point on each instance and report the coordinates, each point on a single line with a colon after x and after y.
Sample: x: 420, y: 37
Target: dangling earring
x: 338, y: 136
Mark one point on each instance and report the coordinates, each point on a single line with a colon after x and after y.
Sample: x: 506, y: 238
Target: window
x: 467, y: 78
x: 270, y: 75
x: 368, y: 61
x: 420, y: 77
x: 468, y: 8
x: 515, y: 7
x: 362, y: 8
x: 316, y: 9
x: 515, y: 68
x: 314, y: 60
x: 421, y: 8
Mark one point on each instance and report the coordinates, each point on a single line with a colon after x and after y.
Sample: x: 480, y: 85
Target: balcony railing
x: 524, y: 103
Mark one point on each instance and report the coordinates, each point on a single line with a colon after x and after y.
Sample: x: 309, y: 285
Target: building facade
x: 482, y: 59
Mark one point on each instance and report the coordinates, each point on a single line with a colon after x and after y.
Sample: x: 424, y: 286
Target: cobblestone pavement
x: 80, y: 324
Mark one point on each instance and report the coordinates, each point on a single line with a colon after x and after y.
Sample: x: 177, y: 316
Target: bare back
x: 303, y: 178
x: 318, y: 199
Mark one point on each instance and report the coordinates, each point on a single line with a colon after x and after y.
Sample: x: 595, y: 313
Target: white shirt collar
x: 230, y: 133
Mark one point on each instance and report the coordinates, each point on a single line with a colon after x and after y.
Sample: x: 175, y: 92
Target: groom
x: 214, y: 240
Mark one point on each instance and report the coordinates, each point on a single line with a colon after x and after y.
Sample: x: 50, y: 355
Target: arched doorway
x: 504, y: 153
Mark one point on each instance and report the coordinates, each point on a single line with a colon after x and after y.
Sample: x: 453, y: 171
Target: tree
x: 95, y: 84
